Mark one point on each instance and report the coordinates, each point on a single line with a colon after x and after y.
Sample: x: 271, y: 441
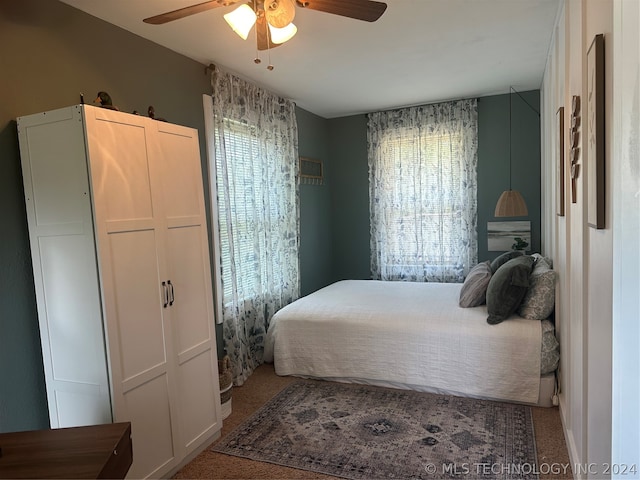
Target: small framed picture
x: 560, y: 168
x: 595, y: 134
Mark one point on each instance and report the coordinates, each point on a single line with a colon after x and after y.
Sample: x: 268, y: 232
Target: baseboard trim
x: 574, y: 457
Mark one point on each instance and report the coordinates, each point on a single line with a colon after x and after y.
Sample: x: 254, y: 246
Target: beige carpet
x: 264, y: 384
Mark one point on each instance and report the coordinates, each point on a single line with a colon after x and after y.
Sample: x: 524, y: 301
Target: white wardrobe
x: 119, y: 243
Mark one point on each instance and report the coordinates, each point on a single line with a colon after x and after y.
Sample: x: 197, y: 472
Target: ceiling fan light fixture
x: 241, y: 20
x: 281, y: 35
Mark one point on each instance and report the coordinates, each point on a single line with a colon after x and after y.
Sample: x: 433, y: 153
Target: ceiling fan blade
x: 367, y: 10
x: 187, y: 11
x: 262, y: 32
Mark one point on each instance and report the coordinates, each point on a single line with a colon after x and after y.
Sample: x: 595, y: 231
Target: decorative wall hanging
x: 560, y: 164
x: 595, y: 133
x: 574, y: 139
x: 311, y: 171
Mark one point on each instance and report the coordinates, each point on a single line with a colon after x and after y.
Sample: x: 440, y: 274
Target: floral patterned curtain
x: 422, y: 186
x: 256, y: 170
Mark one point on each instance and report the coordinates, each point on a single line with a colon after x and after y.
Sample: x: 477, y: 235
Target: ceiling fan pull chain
x: 270, y: 66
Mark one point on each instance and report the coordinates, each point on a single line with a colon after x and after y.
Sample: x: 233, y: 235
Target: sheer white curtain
x: 422, y: 187
x: 256, y: 169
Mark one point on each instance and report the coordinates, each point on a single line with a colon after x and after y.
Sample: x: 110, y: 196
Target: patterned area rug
x: 364, y: 432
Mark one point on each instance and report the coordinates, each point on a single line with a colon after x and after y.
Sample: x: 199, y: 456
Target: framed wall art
x: 560, y: 163
x: 505, y: 236
x: 595, y: 134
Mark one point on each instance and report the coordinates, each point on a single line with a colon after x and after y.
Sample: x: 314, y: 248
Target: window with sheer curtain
x: 423, y: 202
x: 254, y: 178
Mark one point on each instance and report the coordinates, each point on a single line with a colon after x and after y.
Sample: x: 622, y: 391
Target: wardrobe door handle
x: 165, y: 294
x: 172, y: 293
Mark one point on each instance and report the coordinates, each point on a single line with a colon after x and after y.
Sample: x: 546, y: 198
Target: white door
x: 130, y: 230
x: 187, y: 255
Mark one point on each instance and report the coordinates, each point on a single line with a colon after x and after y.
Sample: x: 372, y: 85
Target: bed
x: 413, y: 336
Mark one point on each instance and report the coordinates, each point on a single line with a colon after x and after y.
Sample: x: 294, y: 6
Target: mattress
x: 408, y: 335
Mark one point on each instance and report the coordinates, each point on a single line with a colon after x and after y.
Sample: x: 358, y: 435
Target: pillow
x: 539, y: 258
x: 504, y: 258
x: 507, y: 288
x: 550, y: 351
x: 474, y: 288
x: 539, y: 301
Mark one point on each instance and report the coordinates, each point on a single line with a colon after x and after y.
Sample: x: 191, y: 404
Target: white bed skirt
x: 407, y: 335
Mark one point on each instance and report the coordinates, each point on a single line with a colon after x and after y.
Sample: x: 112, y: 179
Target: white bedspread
x: 412, y: 335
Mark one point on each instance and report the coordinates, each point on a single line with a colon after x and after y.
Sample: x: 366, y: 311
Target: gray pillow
x: 504, y: 258
x: 507, y: 288
x: 539, y: 301
x: 474, y: 288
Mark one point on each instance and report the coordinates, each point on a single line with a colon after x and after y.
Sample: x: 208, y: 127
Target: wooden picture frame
x: 595, y: 134
x: 560, y: 169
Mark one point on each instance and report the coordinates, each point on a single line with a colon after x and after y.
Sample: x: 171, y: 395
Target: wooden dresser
x: 97, y: 451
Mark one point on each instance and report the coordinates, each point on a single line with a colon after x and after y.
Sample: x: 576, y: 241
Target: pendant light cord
x: 511, y: 91
x: 510, y: 156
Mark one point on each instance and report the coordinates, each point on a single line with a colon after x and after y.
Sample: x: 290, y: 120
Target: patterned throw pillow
x: 539, y: 301
x: 504, y: 258
x: 474, y: 288
x: 550, y: 350
x: 507, y: 288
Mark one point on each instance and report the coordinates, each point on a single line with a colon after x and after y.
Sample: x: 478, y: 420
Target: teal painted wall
x: 350, y: 198
x: 315, y: 205
x: 49, y: 53
x: 493, y: 161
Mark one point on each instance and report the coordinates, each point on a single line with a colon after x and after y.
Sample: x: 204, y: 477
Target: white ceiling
x: 419, y: 51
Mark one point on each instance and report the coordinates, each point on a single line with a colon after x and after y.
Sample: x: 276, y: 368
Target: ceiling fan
x: 273, y: 18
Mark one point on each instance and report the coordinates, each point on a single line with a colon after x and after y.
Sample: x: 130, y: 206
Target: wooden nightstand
x: 97, y: 451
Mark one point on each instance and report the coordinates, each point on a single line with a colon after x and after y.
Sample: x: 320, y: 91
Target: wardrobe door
x: 54, y: 170
x: 187, y: 255
x: 130, y: 230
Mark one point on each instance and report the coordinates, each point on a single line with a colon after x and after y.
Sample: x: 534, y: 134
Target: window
x: 423, y: 195
x: 246, y: 211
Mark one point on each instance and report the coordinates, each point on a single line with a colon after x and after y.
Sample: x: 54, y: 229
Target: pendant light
x: 511, y: 203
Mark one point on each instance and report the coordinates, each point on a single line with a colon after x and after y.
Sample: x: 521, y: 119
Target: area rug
x: 364, y: 432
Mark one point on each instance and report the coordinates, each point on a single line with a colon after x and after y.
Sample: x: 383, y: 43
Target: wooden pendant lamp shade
x: 511, y: 204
